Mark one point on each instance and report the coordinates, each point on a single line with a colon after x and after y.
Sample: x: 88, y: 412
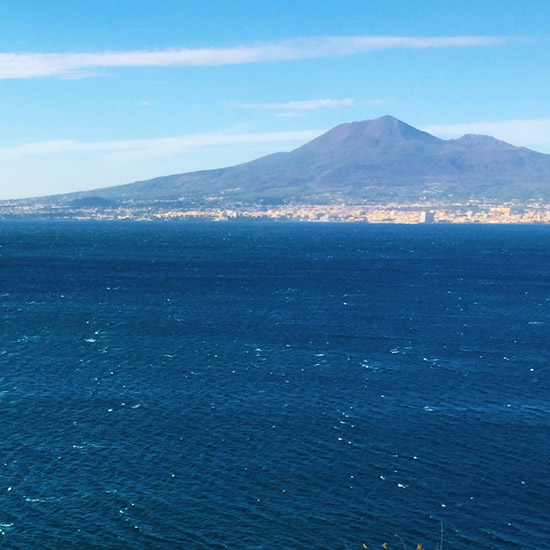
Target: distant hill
x: 376, y: 160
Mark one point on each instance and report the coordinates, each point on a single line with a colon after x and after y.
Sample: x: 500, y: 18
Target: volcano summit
x: 373, y: 161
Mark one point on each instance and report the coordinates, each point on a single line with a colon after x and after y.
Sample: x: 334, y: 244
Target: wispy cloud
x: 377, y: 102
x: 308, y: 105
x: 533, y: 133
x: 74, y: 65
x: 154, y: 147
x: 290, y: 114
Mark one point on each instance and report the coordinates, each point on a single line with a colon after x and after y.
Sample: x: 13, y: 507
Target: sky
x: 95, y: 93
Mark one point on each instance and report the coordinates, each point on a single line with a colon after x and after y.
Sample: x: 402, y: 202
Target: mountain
x: 376, y: 160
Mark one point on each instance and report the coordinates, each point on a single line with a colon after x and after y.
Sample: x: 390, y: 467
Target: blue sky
x: 103, y: 92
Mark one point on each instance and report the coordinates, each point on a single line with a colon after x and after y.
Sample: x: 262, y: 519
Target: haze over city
x: 96, y: 94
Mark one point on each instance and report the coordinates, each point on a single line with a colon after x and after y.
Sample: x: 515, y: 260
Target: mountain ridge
x: 378, y: 160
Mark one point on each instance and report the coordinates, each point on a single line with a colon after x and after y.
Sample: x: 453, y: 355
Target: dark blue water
x: 274, y: 386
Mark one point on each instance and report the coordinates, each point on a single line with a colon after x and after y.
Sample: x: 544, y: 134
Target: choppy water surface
x: 273, y: 386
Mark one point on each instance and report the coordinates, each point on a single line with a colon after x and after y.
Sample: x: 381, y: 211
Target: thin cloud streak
x: 308, y: 105
x: 291, y: 114
x: 82, y: 65
x: 153, y: 147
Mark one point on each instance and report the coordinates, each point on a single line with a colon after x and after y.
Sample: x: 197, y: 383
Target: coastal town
x: 467, y: 212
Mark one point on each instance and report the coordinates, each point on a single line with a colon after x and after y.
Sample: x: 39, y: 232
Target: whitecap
x: 41, y: 499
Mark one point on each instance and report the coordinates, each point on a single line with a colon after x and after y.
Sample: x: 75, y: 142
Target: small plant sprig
x: 386, y: 546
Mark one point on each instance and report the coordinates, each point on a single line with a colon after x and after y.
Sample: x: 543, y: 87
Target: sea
x: 280, y: 386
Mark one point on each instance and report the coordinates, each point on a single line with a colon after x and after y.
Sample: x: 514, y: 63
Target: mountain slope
x: 373, y: 160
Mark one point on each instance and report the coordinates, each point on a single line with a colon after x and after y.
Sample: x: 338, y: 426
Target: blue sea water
x: 274, y: 386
